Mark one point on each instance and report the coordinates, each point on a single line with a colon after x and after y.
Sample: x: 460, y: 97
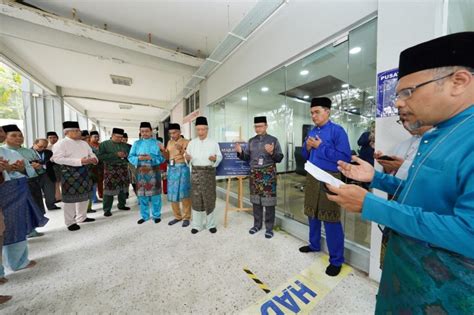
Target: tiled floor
x: 117, y: 266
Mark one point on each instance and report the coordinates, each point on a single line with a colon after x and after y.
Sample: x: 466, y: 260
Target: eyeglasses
x: 406, y: 93
x: 400, y: 122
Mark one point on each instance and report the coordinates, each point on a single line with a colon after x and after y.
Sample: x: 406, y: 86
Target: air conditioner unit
x: 125, y: 106
x: 119, y: 80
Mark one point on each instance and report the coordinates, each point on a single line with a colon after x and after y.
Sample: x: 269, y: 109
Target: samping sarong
x: 116, y: 179
x: 203, y: 188
x: 263, y: 186
x: 418, y: 278
x: 148, y: 179
x: 179, y: 182
x: 76, y: 185
x: 20, y: 212
x: 316, y: 203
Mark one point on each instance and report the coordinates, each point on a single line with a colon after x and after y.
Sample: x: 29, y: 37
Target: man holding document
x: 326, y: 144
x: 429, y: 261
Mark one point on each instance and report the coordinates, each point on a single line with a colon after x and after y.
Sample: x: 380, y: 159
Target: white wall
x: 422, y: 20
x: 297, y: 27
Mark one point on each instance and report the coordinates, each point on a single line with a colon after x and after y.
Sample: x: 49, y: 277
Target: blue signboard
x: 231, y: 165
x: 386, y: 87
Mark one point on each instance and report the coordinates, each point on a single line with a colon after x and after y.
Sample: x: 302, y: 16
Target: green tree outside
x: 11, y: 101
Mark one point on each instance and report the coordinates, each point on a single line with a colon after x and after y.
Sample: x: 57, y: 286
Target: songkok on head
x: 94, y: 133
x: 51, y: 133
x: 125, y: 135
x: 260, y: 119
x: 84, y: 133
x: 10, y: 128
x: 446, y: 51
x: 70, y: 125
x: 201, y: 121
x: 321, y: 101
x: 118, y: 131
x: 145, y: 124
x: 174, y: 127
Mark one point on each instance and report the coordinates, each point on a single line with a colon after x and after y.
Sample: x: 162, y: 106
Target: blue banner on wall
x: 231, y: 165
x: 386, y: 88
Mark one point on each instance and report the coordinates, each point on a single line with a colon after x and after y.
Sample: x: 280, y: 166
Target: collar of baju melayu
x: 325, y: 125
x: 456, y: 119
x: 12, y: 148
x: 70, y: 139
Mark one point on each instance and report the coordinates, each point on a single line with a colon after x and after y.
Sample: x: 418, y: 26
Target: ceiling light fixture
x: 264, y: 89
x: 355, y: 50
x: 306, y: 97
x: 244, y: 98
x: 345, y: 85
x: 304, y: 72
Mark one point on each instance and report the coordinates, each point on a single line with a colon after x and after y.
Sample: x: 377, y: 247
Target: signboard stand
x: 240, y: 198
x: 240, y: 178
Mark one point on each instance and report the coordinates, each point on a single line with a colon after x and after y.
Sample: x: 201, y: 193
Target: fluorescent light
x: 35, y: 94
x: 345, y: 85
x: 370, y: 97
x: 264, y: 89
x: 304, y: 72
x: 244, y: 98
x: 306, y: 97
x: 355, y: 50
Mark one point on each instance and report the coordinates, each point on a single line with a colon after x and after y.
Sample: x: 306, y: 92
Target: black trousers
x: 36, y: 193
x: 258, y: 217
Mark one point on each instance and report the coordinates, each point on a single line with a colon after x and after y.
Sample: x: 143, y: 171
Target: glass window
x: 460, y: 16
x: 344, y: 72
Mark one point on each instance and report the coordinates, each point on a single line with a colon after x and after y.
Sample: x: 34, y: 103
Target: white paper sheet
x: 321, y: 175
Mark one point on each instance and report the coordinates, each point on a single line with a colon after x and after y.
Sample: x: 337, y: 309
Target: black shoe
x: 74, y: 227
x: 307, y: 249
x: 185, y: 223
x: 141, y: 221
x: 332, y: 270
x: 253, y: 230
x: 91, y: 211
x: 213, y: 230
x: 88, y: 220
x: 124, y: 208
x: 107, y: 214
x: 55, y: 208
x: 268, y: 234
x: 173, y: 222
x: 194, y: 231
x: 158, y: 220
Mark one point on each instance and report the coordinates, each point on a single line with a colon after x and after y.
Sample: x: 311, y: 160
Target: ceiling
x: 58, y: 51
x: 191, y: 25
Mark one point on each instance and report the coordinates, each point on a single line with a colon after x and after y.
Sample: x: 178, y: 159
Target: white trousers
x: 75, y: 212
x: 201, y: 220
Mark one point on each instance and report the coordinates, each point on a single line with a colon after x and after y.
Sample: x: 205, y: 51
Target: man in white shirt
x: 204, y: 155
x: 402, y: 155
x: 73, y: 155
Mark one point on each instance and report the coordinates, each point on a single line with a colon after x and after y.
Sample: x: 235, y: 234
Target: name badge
x: 172, y: 162
x: 260, y: 161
